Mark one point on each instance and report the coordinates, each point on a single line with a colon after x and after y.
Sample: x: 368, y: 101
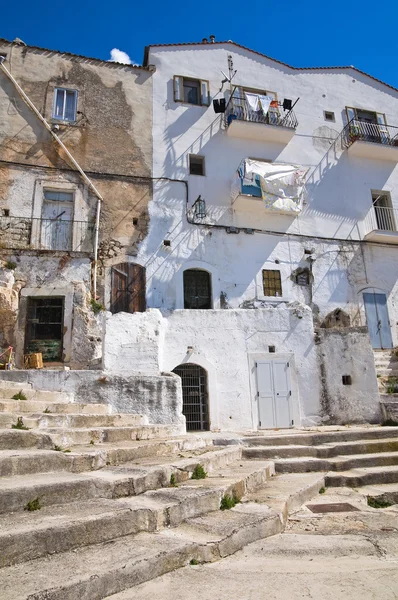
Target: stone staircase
x: 351, y: 457
x: 386, y: 362
x: 93, y: 503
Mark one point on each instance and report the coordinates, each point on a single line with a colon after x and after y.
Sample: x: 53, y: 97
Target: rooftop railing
x: 46, y: 234
x: 376, y: 133
x: 239, y: 109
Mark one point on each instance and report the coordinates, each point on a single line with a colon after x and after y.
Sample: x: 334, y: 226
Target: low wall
x: 347, y: 352
x: 159, y: 397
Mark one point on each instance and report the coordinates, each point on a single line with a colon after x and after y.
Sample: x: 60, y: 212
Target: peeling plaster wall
x: 348, y: 352
x: 112, y: 141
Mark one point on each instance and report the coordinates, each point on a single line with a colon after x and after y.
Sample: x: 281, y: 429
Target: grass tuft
x: 378, y: 502
x: 173, y: 480
x: 199, y: 473
x: 322, y: 490
x: 19, y: 396
x: 228, y: 501
x: 33, y: 505
x: 19, y: 424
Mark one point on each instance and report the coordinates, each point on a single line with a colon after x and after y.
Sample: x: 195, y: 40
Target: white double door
x: 274, y: 393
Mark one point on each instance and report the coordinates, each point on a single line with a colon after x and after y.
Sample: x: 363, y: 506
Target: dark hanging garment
x: 219, y: 105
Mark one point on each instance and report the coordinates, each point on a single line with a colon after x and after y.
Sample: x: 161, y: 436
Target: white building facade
x: 269, y: 298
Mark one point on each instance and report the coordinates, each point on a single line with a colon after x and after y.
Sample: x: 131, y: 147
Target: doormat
x: 329, y: 508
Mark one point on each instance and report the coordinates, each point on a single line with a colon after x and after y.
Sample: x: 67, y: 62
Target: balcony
x: 371, y: 140
x: 24, y: 233
x: 243, y: 122
x: 380, y: 225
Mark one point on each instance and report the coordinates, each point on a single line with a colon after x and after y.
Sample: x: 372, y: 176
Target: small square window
x: 272, y: 284
x: 191, y: 91
x: 329, y: 116
x: 65, y: 104
x: 196, y: 164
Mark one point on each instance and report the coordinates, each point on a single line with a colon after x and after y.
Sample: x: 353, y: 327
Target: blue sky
x: 301, y: 33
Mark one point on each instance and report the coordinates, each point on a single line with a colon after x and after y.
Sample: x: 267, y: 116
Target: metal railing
x: 381, y: 218
x: 239, y: 109
x: 46, y: 234
x: 370, y: 132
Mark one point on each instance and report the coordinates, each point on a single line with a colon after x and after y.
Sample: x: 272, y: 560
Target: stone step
x: 101, y: 570
x: 109, y: 482
x: 59, y: 529
x: 37, y: 406
x: 86, y: 458
x: 78, y: 421
x: 68, y: 437
x: 323, y: 451
x: 19, y: 439
x: 14, y: 385
x: 387, y: 371
x: 7, y: 393
x: 339, y: 463
x: 362, y: 476
x: 316, y: 438
x: 382, y: 491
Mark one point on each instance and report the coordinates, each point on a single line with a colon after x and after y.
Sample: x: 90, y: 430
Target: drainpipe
x: 90, y: 184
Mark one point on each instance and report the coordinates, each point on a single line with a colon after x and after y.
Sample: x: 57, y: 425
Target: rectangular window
x: 196, y: 164
x: 272, y: 284
x: 329, y: 116
x: 383, y: 211
x: 65, y: 104
x: 57, y: 220
x: 366, y: 116
x: 191, y: 91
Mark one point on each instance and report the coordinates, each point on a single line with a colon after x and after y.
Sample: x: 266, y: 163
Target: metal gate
x: 194, y: 396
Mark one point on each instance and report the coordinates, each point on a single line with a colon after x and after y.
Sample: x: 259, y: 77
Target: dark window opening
x: 194, y: 396
x: 191, y: 91
x: 196, y: 164
x: 272, y: 284
x: 44, y: 327
x: 197, y: 289
x: 347, y: 380
x: 128, y: 288
x: 303, y: 278
x: 329, y: 115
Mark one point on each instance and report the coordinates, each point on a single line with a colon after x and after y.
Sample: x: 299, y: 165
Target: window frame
x: 348, y: 108
x: 333, y: 115
x: 202, y: 163
x: 276, y: 280
x: 178, y: 90
x: 76, y: 97
x: 210, y: 289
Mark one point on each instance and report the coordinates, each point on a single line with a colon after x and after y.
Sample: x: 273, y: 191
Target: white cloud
x: 120, y: 57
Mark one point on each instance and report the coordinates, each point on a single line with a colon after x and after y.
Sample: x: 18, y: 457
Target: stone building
x: 101, y: 111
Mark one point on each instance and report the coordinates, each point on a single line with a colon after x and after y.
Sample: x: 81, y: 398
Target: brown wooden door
x: 128, y: 288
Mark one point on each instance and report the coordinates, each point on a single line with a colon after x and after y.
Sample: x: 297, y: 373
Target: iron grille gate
x: 194, y: 396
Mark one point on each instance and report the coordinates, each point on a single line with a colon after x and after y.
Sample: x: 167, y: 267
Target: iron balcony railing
x: 381, y: 218
x: 239, y: 109
x: 46, y: 234
x: 370, y: 132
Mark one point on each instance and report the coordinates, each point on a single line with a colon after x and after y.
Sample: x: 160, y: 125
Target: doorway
x: 194, y: 396
x: 377, y: 320
x: 44, y: 327
x: 128, y: 288
x: 274, y: 394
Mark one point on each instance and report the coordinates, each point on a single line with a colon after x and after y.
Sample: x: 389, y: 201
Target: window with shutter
x: 191, y: 91
x: 128, y: 288
x: 197, y: 289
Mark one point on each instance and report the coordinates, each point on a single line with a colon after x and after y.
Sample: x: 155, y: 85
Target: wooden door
x: 128, y: 288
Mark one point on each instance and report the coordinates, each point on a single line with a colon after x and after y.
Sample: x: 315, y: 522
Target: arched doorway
x: 194, y: 396
x: 128, y: 288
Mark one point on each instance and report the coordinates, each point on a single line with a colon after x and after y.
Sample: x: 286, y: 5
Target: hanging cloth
x: 252, y: 101
x: 265, y: 102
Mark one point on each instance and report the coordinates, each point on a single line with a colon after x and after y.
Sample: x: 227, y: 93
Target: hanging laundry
x: 252, y: 101
x: 265, y: 102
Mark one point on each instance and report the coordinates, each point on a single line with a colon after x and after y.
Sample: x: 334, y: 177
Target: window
x: 65, y: 104
x: 249, y: 105
x: 366, y: 116
x: 196, y: 164
x: 45, y: 327
x: 383, y: 211
x: 57, y: 220
x: 197, y: 289
x: 329, y: 116
x: 191, y: 91
x: 272, y: 284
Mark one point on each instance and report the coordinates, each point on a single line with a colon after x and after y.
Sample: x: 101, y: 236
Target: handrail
x: 238, y: 109
x: 357, y: 130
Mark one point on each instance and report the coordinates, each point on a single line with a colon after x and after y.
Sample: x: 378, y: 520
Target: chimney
x: 212, y: 38
x: 204, y: 41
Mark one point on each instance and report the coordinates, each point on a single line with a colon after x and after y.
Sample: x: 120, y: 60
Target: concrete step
x: 387, y: 371
x: 101, y: 570
x: 78, y: 421
x: 110, y: 482
x: 382, y: 491
x: 322, y: 451
x: 58, y: 529
x: 316, y: 438
x: 7, y: 393
x: 339, y: 463
x: 362, y: 476
x: 37, y: 406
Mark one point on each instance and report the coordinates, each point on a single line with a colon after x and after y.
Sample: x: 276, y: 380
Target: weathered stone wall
x: 347, y: 352
x: 111, y: 139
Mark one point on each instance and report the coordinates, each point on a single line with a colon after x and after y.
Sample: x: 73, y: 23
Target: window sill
x: 274, y: 299
x: 62, y: 122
